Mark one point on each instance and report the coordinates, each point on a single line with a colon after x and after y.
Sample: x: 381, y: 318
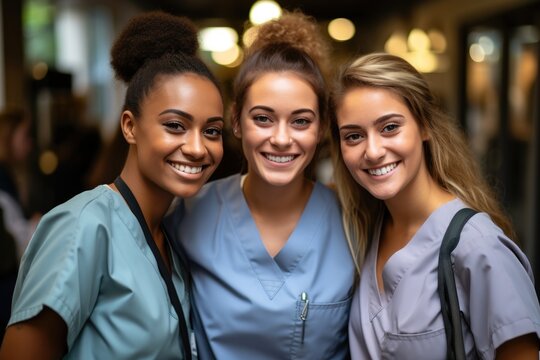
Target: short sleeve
x: 495, y: 280
x: 62, y: 268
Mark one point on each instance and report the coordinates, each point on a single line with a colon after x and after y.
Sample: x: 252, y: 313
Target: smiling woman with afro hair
x: 100, y: 278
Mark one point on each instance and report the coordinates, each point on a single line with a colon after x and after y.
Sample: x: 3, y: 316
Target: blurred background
x: 480, y: 57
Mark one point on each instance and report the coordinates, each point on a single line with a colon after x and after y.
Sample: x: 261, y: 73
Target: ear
x: 237, y: 131
x: 425, y: 134
x: 127, y: 123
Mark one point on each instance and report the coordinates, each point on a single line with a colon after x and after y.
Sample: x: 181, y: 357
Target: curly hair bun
x: 150, y: 36
x: 295, y: 29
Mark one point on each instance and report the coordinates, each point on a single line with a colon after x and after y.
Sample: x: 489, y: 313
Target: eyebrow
x: 376, y: 122
x: 269, y: 109
x: 189, y: 116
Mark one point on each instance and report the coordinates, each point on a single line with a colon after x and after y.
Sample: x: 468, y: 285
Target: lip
x: 188, y: 170
x: 279, y: 159
x: 382, y: 171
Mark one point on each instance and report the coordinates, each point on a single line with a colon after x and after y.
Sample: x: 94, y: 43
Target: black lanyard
x: 135, y: 208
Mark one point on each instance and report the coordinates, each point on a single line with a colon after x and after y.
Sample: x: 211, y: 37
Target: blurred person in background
x: 15, y: 228
x: 15, y: 147
x: 8, y: 273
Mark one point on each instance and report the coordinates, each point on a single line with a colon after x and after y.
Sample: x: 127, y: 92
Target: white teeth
x: 382, y: 171
x: 187, y: 169
x: 279, y: 159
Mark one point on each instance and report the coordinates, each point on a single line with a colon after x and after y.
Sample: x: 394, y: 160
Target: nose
x: 194, y: 146
x: 375, y: 149
x: 281, y: 135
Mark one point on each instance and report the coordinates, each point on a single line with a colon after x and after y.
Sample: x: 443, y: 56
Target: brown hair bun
x: 295, y: 29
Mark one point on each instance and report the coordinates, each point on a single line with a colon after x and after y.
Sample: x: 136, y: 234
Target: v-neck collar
x: 400, y: 262
x: 272, y: 272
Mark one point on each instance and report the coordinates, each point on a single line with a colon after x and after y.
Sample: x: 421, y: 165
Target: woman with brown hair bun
x: 100, y: 278
x: 272, y: 274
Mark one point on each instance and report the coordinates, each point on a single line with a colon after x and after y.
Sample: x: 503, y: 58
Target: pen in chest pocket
x: 304, y: 313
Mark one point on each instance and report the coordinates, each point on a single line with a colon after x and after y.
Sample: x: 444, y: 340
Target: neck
x: 411, y: 208
x: 153, y: 200
x: 266, y: 197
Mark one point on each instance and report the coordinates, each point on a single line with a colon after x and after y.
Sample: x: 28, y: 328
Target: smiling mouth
x: 382, y: 170
x: 279, y: 159
x: 186, y: 168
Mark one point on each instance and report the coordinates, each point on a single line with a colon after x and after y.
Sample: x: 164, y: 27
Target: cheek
x: 350, y: 158
x: 310, y: 137
x: 252, y: 137
x: 215, y: 149
x: 408, y: 146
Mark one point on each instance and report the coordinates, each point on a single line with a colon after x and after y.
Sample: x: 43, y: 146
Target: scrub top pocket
x: 429, y: 345
x: 317, y: 344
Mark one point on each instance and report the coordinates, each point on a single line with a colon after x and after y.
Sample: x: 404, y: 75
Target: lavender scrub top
x: 494, y: 283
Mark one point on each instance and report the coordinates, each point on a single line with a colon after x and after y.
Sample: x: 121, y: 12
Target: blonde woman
x: 402, y: 171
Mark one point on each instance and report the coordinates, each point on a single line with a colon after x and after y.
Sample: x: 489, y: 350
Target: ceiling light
x: 418, y: 40
x: 217, y: 38
x: 396, y: 44
x: 263, y: 11
x: 227, y: 57
x: 341, y: 29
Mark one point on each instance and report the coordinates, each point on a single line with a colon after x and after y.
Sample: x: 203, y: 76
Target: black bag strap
x: 173, y: 296
x: 455, y: 347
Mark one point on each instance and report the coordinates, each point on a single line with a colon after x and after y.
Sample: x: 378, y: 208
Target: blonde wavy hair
x: 447, y: 154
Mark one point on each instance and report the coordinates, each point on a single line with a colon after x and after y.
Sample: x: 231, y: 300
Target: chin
x: 187, y: 193
x: 187, y: 190
x: 280, y: 179
x: 383, y: 196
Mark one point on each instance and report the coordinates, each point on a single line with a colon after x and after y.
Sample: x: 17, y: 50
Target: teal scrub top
x: 249, y: 305
x: 89, y: 262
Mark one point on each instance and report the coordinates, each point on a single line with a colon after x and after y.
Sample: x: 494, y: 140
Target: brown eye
x: 301, y: 122
x: 214, y: 132
x: 352, y: 137
x: 261, y: 119
x: 174, y: 126
x: 390, y: 127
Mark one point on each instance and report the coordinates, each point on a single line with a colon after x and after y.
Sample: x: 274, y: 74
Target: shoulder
x: 212, y: 195
x: 479, y: 238
x: 326, y: 193
x: 78, y: 218
x: 484, y: 245
x: 326, y: 201
x: 96, y: 201
x: 216, y: 190
x: 481, y: 233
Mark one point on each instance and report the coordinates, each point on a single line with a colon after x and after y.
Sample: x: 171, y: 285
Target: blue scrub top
x: 89, y: 262
x: 494, y: 284
x: 248, y: 305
